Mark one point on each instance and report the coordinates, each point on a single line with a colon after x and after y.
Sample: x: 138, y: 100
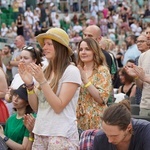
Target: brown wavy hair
x: 99, y: 58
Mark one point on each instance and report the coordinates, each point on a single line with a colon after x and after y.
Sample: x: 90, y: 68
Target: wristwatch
x: 5, y: 139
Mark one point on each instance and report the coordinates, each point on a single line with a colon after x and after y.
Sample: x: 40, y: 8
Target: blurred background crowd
x: 116, y: 18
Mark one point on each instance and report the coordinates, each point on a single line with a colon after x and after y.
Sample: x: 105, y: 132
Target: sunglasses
x: 30, y: 49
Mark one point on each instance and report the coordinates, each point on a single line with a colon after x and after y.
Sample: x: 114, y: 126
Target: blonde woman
x: 96, y: 85
x: 55, y: 98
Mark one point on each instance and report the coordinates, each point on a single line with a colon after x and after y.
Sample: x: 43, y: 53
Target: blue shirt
x: 140, y: 139
x: 131, y: 53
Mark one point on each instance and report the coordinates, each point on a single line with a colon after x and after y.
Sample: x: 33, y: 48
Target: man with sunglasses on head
x: 20, y: 43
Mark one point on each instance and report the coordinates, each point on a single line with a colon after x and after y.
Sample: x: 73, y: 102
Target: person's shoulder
x: 100, y: 133
x: 12, y: 117
x: 140, y: 125
x: 72, y: 67
x: 106, y: 53
x: 100, y: 137
x: 103, y: 68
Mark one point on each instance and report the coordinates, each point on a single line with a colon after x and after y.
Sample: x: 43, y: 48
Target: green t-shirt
x: 15, y: 129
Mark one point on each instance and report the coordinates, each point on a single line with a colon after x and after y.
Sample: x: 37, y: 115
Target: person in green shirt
x: 16, y: 134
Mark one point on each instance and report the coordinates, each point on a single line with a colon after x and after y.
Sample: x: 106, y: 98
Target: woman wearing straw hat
x: 56, y: 96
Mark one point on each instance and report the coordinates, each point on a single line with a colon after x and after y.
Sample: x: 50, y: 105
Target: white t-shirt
x: 144, y: 62
x: 48, y: 123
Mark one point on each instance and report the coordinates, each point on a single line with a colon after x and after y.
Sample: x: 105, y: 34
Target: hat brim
x: 40, y: 38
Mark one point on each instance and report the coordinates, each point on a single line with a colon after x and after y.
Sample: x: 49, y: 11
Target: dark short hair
x: 131, y: 61
x: 9, y: 47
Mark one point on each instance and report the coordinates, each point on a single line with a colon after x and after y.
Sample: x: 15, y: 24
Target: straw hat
x: 55, y: 34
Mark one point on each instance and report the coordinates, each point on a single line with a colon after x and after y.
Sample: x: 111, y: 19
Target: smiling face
x: 114, y: 134
x: 85, y: 53
x: 48, y: 49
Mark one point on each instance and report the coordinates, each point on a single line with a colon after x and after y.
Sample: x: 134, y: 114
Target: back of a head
x: 118, y: 114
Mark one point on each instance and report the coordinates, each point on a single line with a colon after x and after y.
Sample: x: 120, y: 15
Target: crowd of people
x: 64, y: 77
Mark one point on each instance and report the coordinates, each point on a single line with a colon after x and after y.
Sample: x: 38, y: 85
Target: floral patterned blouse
x: 88, y: 110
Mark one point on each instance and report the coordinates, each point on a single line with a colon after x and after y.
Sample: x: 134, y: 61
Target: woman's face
x: 85, y: 53
x: 48, y: 49
x: 122, y: 78
x: 26, y: 58
x: 18, y: 102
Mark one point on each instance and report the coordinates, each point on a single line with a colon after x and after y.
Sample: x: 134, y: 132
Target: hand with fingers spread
x: 83, y: 74
x: 25, y: 73
x: 131, y: 71
x: 37, y: 72
x: 140, y: 72
x: 29, y: 122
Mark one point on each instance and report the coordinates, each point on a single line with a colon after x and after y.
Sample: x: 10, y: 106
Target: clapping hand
x: 37, y: 72
x: 83, y: 74
x: 140, y: 72
x: 131, y: 70
x: 25, y: 73
x: 29, y: 122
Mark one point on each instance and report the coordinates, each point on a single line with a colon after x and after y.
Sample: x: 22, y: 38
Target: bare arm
x: 133, y: 91
x: 139, y: 83
x: 119, y: 90
x: 33, y: 101
x: 58, y: 103
x: 13, y: 145
x: 3, y: 84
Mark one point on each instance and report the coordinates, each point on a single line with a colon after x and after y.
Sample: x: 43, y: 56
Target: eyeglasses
x: 141, y: 41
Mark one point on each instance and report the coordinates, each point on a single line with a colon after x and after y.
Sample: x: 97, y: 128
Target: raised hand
x: 140, y: 72
x: 29, y: 122
x: 25, y: 73
x: 131, y: 71
x: 83, y: 74
x: 37, y: 72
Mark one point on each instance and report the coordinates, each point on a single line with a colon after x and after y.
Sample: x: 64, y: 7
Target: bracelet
x: 30, y: 92
x: 87, y: 84
x: 43, y: 82
x: 30, y: 85
x: 31, y: 139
